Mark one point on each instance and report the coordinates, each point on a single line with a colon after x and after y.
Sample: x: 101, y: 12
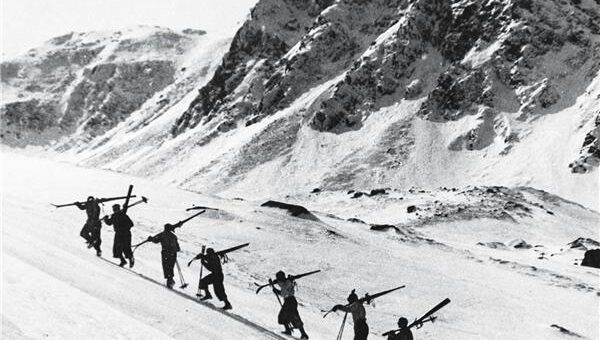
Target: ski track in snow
x: 55, y: 288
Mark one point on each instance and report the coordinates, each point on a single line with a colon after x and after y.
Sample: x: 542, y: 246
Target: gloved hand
x: 149, y: 238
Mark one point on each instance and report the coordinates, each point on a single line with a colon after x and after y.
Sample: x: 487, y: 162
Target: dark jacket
x: 120, y: 222
x: 91, y: 209
x: 168, y: 241
x: 404, y: 334
x: 212, y: 263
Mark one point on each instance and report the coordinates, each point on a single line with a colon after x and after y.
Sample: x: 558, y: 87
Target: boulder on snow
x: 591, y: 258
x: 584, y: 243
x: 493, y: 245
x: 519, y: 244
x: 383, y: 227
x: 376, y: 192
x: 358, y: 194
x: 295, y: 210
x: 565, y: 331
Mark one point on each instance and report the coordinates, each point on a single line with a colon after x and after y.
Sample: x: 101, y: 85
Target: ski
x: 100, y: 200
x: 368, y: 298
x: 220, y: 252
x: 177, y: 225
x: 425, y: 318
x: 292, y: 277
x: 128, y: 197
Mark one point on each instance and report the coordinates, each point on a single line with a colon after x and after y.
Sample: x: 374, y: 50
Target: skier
x: 359, y: 316
x: 122, y: 242
x: 288, y: 315
x: 91, y: 229
x: 212, y: 262
x: 404, y: 332
x: 170, y: 247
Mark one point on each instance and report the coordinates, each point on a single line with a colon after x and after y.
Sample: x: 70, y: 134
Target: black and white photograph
x: 300, y: 169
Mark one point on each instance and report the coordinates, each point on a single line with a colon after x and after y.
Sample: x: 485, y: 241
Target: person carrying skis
x: 288, y: 315
x: 91, y: 229
x: 122, y: 242
x: 170, y: 247
x: 212, y: 262
x: 359, y: 316
x: 404, y: 333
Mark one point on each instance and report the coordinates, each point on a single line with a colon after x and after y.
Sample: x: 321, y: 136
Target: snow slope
x: 54, y: 287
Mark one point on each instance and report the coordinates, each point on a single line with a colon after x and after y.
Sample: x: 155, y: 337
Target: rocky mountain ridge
x: 360, y: 94
x: 87, y: 83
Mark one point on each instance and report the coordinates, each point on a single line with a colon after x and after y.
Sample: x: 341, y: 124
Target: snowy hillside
x: 456, y: 243
x: 81, y: 85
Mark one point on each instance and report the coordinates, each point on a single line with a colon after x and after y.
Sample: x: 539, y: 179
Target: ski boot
x: 131, y: 262
x: 227, y: 305
x: 303, y: 334
x: 206, y: 296
x: 170, y: 283
x: 99, y: 253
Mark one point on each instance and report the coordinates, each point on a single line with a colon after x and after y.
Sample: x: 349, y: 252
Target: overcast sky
x: 28, y: 23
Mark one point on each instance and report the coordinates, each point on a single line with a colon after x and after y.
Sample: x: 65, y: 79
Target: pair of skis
x: 427, y: 317
x: 220, y: 253
x: 99, y: 200
x: 176, y: 225
x: 290, y: 277
x: 368, y: 298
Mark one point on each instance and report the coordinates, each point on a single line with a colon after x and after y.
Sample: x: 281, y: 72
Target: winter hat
x: 352, y: 297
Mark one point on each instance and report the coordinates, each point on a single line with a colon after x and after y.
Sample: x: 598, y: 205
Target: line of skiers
x: 288, y: 315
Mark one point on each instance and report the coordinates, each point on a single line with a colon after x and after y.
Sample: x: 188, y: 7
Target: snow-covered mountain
x: 343, y: 95
x: 81, y: 85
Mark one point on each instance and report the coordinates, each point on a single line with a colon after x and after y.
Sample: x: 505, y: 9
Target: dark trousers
x: 122, y: 246
x: 168, y: 263
x: 361, y: 329
x: 216, y: 279
x: 289, y: 313
x: 91, y: 233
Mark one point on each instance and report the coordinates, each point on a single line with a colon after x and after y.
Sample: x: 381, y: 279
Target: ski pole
x: 200, y: 279
x: 341, y: 332
x: 183, y: 284
x: 137, y: 245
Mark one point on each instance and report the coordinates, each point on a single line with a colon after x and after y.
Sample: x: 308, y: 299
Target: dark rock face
x: 376, y: 53
x: 112, y: 91
x: 590, y: 150
x: 591, y: 258
x: 256, y: 49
